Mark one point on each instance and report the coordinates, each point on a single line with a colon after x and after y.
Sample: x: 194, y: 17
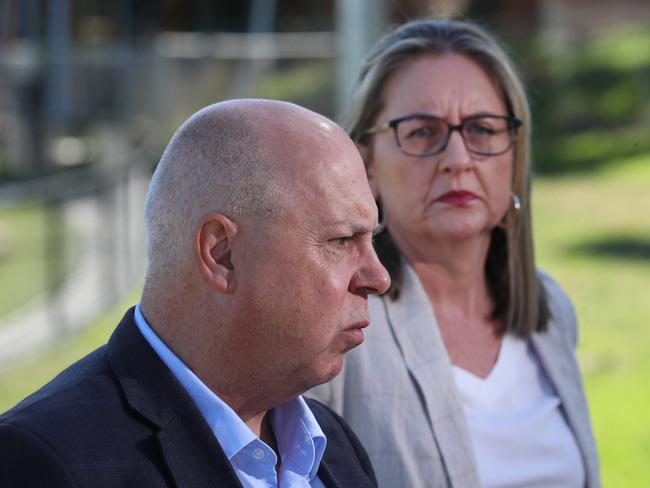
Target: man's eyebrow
x: 352, y: 228
x: 362, y: 229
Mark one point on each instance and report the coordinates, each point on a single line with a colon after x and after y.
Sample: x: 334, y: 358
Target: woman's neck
x: 451, y: 271
x: 453, y: 277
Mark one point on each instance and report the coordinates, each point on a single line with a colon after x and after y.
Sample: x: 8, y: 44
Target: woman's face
x: 455, y: 194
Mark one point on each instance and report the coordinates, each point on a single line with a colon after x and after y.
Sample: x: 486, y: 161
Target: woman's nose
x: 455, y: 157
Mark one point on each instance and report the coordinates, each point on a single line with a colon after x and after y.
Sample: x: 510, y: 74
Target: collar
x: 301, y: 442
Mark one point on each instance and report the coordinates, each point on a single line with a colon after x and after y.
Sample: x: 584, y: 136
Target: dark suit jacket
x: 119, y: 417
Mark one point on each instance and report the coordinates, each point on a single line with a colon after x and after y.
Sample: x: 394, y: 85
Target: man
x: 258, y: 221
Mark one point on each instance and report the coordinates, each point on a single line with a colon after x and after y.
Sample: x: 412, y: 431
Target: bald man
x: 259, y: 221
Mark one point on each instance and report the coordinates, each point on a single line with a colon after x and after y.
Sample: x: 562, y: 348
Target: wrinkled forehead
x: 321, y: 152
x: 314, y: 161
x: 329, y: 184
x: 297, y: 140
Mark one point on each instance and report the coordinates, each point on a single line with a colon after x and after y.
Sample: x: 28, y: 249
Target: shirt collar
x: 233, y: 434
x: 300, y: 439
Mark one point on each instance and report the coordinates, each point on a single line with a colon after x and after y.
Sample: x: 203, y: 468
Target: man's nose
x: 371, y: 278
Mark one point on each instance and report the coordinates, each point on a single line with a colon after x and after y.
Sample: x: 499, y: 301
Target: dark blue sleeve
x: 26, y: 461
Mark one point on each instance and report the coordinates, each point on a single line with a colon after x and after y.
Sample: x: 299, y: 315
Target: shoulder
x: 26, y: 460
x: 41, y: 430
x: 555, y: 294
x: 344, y: 450
x: 562, y: 312
x: 80, y: 379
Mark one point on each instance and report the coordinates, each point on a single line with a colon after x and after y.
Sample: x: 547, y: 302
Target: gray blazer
x: 398, y: 393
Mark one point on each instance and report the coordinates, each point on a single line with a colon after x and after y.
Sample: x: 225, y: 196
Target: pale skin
x: 445, y: 244
x: 268, y: 304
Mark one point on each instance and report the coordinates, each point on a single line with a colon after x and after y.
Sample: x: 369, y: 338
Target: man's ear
x: 212, y: 244
x: 366, y: 154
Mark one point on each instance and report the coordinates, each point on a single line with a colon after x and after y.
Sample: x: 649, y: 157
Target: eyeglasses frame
x: 513, y: 124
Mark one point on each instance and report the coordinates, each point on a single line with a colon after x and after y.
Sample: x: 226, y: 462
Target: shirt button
x: 258, y: 453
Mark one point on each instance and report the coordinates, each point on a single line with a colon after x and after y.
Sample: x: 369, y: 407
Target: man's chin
x: 328, y: 373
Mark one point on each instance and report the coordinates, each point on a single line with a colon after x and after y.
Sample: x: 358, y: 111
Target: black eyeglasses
x: 426, y: 135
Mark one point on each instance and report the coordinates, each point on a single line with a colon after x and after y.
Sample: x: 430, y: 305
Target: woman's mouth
x: 457, y: 198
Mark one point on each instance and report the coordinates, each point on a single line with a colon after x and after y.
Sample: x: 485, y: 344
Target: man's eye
x: 341, y: 241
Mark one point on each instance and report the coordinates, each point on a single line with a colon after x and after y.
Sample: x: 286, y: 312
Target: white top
x: 518, y: 430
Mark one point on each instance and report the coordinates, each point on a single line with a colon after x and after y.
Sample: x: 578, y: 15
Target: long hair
x: 519, y: 301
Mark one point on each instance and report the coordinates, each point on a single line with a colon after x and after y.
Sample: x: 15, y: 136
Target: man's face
x: 307, y: 272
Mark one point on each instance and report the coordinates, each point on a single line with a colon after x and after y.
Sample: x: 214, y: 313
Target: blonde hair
x: 518, y: 296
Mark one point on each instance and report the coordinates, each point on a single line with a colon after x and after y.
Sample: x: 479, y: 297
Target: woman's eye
x: 479, y: 130
x: 421, y: 132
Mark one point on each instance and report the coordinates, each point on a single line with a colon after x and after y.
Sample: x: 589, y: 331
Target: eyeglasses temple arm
x: 377, y: 128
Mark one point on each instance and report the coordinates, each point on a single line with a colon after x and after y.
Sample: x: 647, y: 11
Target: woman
x: 468, y: 375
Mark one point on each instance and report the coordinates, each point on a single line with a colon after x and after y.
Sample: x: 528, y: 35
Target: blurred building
x: 70, y: 66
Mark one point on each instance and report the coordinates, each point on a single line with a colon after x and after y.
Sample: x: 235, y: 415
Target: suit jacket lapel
x: 326, y: 475
x: 416, y: 332
x: 194, y: 458
x: 193, y: 455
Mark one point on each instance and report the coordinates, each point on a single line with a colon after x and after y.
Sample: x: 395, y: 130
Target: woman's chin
x: 459, y: 231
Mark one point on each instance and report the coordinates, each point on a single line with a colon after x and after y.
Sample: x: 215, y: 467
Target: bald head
x: 236, y: 158
x: 259, y: 221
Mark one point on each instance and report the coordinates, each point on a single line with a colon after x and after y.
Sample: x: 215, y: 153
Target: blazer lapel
x: 193, y: 454
x: 558, y: 360
x: 416, y: 332
x: 194, y: 458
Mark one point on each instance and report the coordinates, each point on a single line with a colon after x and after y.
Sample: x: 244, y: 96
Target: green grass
x: 591, y: 100
x: 20, y: 381
x: 573, y: 217
x: 593, y: 234
x: 27, y: 268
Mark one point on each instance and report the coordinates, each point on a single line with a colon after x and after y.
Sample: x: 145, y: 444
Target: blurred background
x: 91, y: 91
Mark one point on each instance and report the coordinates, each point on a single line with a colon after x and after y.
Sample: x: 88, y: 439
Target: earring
x: 381, y: 225
x: 510, y: 218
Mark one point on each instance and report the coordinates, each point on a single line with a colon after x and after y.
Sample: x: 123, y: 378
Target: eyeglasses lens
x: 421, y: 135
x: 487, y: 135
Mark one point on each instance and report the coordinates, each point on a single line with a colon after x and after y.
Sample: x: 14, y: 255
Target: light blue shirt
x: 300, y: 440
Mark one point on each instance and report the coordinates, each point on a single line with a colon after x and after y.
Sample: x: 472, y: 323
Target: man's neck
x: 261, y: 427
